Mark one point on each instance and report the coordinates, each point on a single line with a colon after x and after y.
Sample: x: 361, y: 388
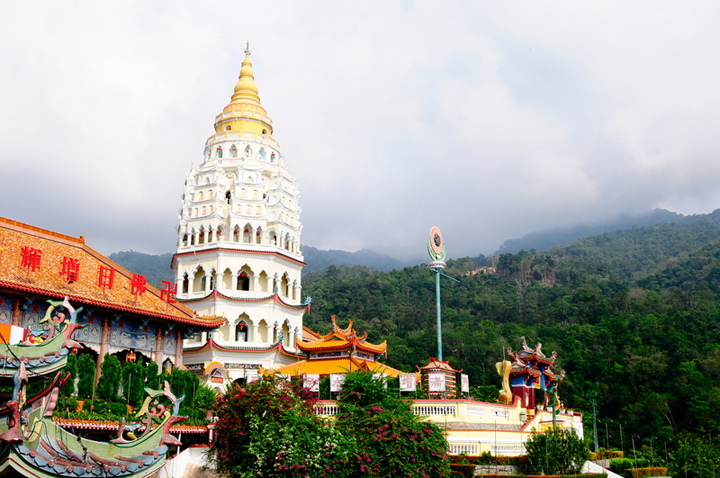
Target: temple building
x: 123, y: 313
x: 59, y: 297
x: 339, y: 352
x: 238, y: 252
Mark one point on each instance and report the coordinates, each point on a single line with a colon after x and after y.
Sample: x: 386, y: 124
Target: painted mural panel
x: 131, y: 334
x: 91, y: 334
x: 5, y: 309
x: 169, y: 344
x: 34, y: 314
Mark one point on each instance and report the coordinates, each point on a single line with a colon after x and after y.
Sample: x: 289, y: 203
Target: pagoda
x: 238, y: 251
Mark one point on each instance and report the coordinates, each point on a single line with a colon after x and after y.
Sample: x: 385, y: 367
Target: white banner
x: 336, y: 381
x: 381, y: 376
x: 464, y: 383
x: 436, y: 382
x: 252, y: 377
x: 311, y: 381
x: 408, y: 382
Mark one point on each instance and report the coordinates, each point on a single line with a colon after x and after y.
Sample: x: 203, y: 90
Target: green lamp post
x: 436, y: 249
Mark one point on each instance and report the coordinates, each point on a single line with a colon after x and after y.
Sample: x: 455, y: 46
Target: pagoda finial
x: 246, y: 91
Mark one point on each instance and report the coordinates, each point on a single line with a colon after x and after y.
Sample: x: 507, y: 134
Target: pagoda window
x: 201, y: 236
x: 273, y: 238
x: 199, y: 280
x: 263, y: 282
x: 243, y: 281
x: 185, y: 240
x: 287, y: 241
x: 227, y: 280
x: 247, y: 233
x: 236, y: 234
x: 248, y: 211
x: 201, y: 196
x: 258, y: 235
x: 258, y: 211
x: 212, y: 280
x: 185, y: 283
x: 219, y: 152
x: 233, y: 151
x: 272, y: 158
x: 284, y: 288
x: 241, y: 332
x: 228, y: 196
x: 243, y: 193
x: 255, y: 194
x: 262, y: 331
x: 262, y: 151
x: 286, y: 334
x: 228, y: 128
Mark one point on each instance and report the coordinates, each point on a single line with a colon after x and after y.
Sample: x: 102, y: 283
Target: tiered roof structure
x: 340, y: 351
x: 530, y: 370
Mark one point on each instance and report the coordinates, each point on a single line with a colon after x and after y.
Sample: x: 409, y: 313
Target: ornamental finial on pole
x: 436, y: 248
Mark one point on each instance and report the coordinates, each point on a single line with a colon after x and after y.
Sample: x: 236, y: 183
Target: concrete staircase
x: 590, y: 467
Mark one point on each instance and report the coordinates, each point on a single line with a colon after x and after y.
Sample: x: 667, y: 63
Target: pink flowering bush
x: 391, y: 440
x: 268, y: 429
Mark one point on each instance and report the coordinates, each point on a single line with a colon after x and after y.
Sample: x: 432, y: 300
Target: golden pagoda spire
x: 246, y: 91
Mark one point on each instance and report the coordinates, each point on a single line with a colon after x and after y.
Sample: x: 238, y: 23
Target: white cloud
x: 488, y: 120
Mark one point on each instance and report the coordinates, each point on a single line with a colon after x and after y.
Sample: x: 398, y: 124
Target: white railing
x: 429, y: 410
x: 327, y: 409
x: 463, y: 449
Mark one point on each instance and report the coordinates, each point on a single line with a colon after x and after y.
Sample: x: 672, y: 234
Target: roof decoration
x: 529, y: 370
x: 342, y: 339
x: 38, y: 261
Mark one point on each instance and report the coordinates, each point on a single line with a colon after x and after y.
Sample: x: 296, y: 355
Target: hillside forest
x: 632, y: 314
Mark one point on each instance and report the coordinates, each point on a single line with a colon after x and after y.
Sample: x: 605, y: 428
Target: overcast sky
x: 489, y: 120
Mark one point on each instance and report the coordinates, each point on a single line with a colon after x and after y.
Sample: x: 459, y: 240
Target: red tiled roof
x: 47, y: 280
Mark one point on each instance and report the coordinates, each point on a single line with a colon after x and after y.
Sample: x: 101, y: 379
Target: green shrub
x: 556, y: 451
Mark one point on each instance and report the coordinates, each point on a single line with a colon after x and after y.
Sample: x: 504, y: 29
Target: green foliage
x: 152, y: 375
x: 183, y: 382
x: 86, y: 376
x: 269, y: 430
x: 695, y: 458
x: 109, y: 383
x: 391, y: 440
x: 72, y: 368
x: 133, y: 383
x: 559, y: 452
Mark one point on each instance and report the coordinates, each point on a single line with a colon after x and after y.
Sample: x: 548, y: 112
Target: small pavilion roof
x: 341, y: 339
x: 338, y: 365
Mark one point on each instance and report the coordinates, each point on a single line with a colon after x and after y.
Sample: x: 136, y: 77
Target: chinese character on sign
x: 70, y: 269
x: 30, y: 258
x: 336, y: 382
x: 436, y: 382
x: 311, y: 381
x: 168, y: 291
x: 464, y: 383
x: 407, y: 382
x: 106, y: 277
x: 138, y: 285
